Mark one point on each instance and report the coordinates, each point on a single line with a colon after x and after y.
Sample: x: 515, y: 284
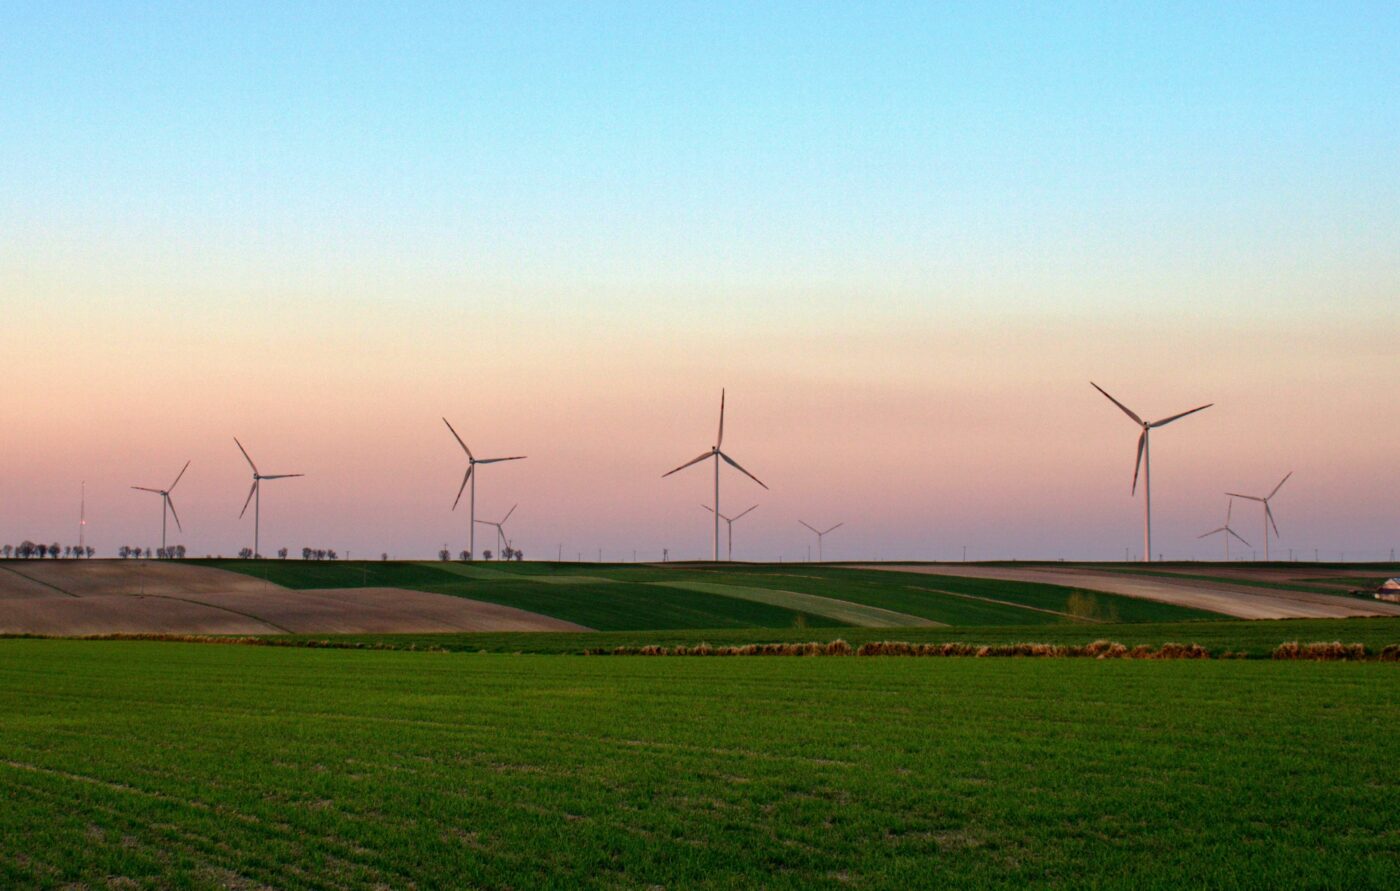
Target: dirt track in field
x: 66, y: 598
x: 1240, y: 601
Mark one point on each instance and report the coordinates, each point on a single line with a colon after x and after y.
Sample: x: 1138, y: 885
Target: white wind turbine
x: 166, y: 505
x: 1268, y: 512
x: 1144, y: 463
x: 1229, y: 506
x: 472, y: 461
x: 717, y: 455
x: 729, y: 521
x: 821, y: 534
x: 500, y: 529
x: 255, y: 494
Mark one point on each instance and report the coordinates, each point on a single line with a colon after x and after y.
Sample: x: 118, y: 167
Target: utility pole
x: 964, y: 554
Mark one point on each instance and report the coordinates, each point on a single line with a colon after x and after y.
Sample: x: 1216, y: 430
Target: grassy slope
x: 640, y: 598
x: 174, y: 765
x: 612, y: 606
x: 1257, y: 638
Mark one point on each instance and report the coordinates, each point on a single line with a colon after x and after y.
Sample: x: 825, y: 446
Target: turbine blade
x: 755, y: 507
x: 809, y: 526
x: 719, y: 437
x: 702, y: 457
x: 249, y: 500
x: 1127, y: 411
x: 1137, y: 467
x: 1237, y: 537
x: 496, y: 460
x: 735, y: 465
x: 508, y: 513
x: 281, y: 476
x: 170, y: 503
x: 1229, y: 508
x: 834, y: 528
x: 464, y: 486
x: 1280, y: 485
x: 1165, y: 421
x: 144, y: 489
x: 177, y: 479
x: 1212, y: 532
x: 459, y: 439
x: 1268, y: 512
x: 1245, y: 497
x: 708, y: 508
x: 245, y: 454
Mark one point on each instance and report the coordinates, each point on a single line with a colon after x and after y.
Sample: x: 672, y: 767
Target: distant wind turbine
x: 166, y: 505
x: 500, y: 528
x: 1268, y: 512
x: 1144, y: 463
x: 1229, y: 506
x: 472, y: 461
x: 717, y: 455
x: 729, y: 521
x: 255, y: 494
x: 821, y: 533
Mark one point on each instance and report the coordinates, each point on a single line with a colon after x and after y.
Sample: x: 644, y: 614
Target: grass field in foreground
x: 618, y: 597
x: 142, y: 764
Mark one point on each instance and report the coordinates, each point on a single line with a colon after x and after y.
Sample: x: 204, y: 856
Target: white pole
x: 716, y: 506
x: 1147, y: 500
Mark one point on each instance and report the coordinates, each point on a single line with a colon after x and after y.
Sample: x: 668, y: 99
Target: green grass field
x: 623, y: 597
x: 171, y: 765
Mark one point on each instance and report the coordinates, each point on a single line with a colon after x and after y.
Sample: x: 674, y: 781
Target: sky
x: 905, y: 238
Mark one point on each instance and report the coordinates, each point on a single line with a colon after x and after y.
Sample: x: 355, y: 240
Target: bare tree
x: 444, y: 555
x: 281, y: 553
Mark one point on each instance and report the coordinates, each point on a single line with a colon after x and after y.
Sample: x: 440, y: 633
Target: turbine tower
x: 821, y: 533
x: 166, y: 505
x: 1144, y: 463
x: 729, y: 521
x: 255, y: 494
x: 1268, y: 512
x: 717, y: 455
x: 1229, y: 506
x: 472, y: 461
x: 500, y: 528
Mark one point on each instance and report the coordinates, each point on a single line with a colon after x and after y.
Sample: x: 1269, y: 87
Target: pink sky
x: 923, y: 429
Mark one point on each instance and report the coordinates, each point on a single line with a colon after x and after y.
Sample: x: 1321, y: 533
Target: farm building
x: 1389, y: 591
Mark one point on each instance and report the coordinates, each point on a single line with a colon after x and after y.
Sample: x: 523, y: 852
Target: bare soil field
x: 1234, y: 600
x: 92, y: 578
x: 73, y: 598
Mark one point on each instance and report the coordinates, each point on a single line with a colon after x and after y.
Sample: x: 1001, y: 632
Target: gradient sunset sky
x: 905, y: 238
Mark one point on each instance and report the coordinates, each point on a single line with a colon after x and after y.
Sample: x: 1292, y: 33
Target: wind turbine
x: 472, y: 461
x: 821, y: 533
x: 166, y: 505
x: 730, y: 522
x: 500, y: 528
x: 255, y: 494
x: 717, y: 455
x: 1268, y: 512
x: 1229, y: 506
x: 1144, y: 463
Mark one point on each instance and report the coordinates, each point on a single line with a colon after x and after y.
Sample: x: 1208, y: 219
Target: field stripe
x: 1037, y: 609
x: 829, y: 607
x: 37, y: 581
